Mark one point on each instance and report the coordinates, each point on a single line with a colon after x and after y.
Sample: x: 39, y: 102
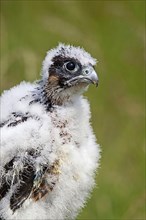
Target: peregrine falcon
x: 49, y: 153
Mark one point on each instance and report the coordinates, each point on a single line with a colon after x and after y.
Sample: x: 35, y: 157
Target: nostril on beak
x: 86, y: 72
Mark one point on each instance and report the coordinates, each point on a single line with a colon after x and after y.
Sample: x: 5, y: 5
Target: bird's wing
x: 18, y: 183
x: 23, y: 177
x: 29, y: 182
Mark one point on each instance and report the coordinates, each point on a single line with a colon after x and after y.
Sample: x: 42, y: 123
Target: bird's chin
x: 77, y: 87
x: 79, y: 82
x: 81, y: 85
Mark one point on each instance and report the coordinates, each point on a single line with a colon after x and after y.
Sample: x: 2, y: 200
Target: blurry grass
x: 113, y: 32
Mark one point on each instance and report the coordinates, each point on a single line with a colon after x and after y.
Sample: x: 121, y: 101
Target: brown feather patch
x: 53, y: 79
x: 43, y: 187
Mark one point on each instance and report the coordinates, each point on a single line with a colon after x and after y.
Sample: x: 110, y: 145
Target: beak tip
x: 96, y: 83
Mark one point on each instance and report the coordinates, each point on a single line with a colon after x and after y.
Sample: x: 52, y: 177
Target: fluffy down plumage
x: 49, y: 153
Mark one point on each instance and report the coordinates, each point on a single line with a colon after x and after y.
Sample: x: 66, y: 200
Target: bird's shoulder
x: 20, y: 104
x: 15, y: 118
x: 13, y: 100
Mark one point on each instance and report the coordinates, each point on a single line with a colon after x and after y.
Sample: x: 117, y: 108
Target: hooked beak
x: 88, y: 76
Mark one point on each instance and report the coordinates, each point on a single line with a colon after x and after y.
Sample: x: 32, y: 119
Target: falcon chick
x: 49, y: 153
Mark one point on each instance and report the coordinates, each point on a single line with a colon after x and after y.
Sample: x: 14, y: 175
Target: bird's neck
x: 60, y: 96
x: 55, y: 95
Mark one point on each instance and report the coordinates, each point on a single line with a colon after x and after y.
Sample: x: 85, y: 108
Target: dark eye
x: 71, y: 66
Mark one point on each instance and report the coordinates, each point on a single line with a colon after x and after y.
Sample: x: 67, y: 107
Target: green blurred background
x: 113, y: 32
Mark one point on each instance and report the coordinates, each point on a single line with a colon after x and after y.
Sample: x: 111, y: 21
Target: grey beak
x: 90, y: 75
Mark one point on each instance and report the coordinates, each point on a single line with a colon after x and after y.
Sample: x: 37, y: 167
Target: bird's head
x: 67, y: 71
